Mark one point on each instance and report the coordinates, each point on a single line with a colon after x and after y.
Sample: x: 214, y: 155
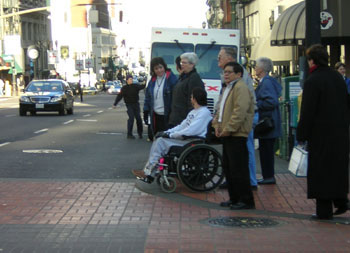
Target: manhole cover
x: 242, y: 222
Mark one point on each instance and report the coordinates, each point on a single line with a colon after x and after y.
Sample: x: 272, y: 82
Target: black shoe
x: 226, y: 203
x: 316, y: 217
x: 270, y: 180
x: 241, y: 205
x: 341, y: 210
x: 223, y: 185
x: 140, y: 136
x: 254, y: 187
x: 130, y: 137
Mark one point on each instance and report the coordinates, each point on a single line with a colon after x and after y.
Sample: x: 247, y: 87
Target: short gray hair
x: 230, y: 51
x: 265, y: 63
x: 191, y: 57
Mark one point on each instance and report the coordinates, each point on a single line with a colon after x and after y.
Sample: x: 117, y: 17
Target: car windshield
x: 45, y: 86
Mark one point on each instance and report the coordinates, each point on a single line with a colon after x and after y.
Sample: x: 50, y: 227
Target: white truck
x: 169, y: 43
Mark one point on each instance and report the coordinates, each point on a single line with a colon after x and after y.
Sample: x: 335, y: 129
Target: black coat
x: 324, y: 124
x: 181, y: 104
x: 130, y: 93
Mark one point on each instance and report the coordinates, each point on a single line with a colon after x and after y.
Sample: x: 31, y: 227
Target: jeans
x: 251, y: 152
x: 133, y: 111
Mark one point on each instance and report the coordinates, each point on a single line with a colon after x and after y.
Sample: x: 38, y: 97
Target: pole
x: 233, y: 14
x: 312, y: 16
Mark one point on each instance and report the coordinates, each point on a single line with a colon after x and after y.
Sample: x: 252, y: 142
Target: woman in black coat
x: 324, y: 125
x: 189, y: 79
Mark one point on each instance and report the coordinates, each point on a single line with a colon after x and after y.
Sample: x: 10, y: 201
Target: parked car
x: 114, y: 90
x: 89, y: 91
x: 135, y: 79
x: 109, y: 84
x: 47, y: 95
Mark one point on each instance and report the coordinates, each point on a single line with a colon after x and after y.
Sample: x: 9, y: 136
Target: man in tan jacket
x: 233, y: 122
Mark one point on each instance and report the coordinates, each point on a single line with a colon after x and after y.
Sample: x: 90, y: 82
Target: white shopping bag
x: 298, y: 162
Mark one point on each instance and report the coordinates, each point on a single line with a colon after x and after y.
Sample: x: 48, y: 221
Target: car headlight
x: 24, y: 99
x: 56, y: 99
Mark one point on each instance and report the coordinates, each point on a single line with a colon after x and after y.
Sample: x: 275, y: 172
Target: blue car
x: 47, y: 95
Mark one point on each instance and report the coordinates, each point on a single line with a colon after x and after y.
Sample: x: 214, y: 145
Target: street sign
x: 79, y: 65
x: 52, y: 56
x: 64, y: 52
x: 89, y: 63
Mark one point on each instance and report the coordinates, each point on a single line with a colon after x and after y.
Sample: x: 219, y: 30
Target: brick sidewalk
x: 52, y: 216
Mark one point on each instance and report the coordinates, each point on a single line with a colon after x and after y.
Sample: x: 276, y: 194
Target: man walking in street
x: 233, y: 122
x: 226, y: 55
x: 130, y: 93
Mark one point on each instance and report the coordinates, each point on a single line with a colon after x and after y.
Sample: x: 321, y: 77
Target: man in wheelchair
x: 195, y: 125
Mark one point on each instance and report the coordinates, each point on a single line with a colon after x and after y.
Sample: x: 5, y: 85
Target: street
x: 90, y: 144
x: 66, y: 186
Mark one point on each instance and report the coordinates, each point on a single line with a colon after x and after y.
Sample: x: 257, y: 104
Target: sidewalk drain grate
x: 242, y: 222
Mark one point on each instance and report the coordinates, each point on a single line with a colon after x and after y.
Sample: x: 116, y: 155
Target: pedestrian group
x: 176, y: 107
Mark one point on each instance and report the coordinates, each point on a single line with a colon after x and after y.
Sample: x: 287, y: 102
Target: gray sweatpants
x: 160, y: 147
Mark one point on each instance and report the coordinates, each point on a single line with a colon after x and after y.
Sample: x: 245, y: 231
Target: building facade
x: 276, y: 29
x: 82, y: 33
x: 24, y: 25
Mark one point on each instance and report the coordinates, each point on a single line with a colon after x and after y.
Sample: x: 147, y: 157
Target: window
x: 169, y: 52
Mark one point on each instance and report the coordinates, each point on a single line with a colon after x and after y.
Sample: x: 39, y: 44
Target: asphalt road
x: 90, y: 144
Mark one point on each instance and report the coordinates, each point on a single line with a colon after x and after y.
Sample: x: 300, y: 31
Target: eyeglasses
x: 184, y: 62
x: 228, y: 72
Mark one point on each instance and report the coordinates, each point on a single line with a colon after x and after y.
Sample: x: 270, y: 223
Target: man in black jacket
x: 130, y: 93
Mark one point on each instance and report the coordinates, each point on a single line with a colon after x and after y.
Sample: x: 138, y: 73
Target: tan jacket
x: 238, y: 111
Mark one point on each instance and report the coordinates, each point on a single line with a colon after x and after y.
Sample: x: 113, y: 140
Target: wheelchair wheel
x: 200, y: 168
x: 168, y: 188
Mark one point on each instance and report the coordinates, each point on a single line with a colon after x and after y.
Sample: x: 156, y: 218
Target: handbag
x: 264, y: 126
x: 298, y: 162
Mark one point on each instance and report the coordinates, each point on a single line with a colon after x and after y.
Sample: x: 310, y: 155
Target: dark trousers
x: 236, y: 169
x: 133, y: 111
x: 324, y: 207
x: 159, y: 123
x: 267, y: 157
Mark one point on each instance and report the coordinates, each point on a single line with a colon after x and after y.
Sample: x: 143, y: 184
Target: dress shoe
x: 226, y: 203
x: 270, y: 180
x: 223, y: 185
x: 139, y: 173
x: 316, y: 217
x: 140, y: 136
x: 341, y: 210
x: 130, y: 137
x: 241, y: 205
x: 254, y: 187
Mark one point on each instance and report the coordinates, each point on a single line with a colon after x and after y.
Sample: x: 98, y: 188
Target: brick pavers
x: 51, y: 216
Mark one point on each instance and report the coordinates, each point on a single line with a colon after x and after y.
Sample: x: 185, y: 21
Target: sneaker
x: 130, y: 137
x: 139, y: 173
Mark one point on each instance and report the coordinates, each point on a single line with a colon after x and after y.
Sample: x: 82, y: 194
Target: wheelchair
x: 197, y: 165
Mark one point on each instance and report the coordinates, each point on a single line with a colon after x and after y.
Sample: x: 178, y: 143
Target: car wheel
x: 22, y: 112
x: 61, y: 111
x: 70, y: 111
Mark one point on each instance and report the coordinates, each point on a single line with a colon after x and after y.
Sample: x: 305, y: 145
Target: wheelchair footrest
x: 148, y: 179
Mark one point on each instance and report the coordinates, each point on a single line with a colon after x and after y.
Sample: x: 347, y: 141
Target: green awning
x: 8, y: 59
x: 18, y: 69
